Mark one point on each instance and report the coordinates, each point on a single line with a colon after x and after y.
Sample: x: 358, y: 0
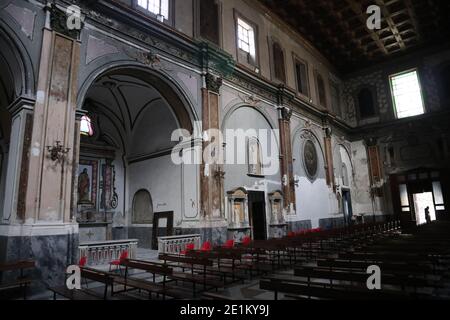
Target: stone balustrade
x: 176, y: 244
x: 103, y: 252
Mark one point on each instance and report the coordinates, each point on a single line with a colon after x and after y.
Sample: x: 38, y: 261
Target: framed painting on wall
x: 87, y: 183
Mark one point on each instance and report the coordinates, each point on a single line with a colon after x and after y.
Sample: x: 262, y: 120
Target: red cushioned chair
x: 291, y: 234
x: 206, y: 246
x: 229, y: 244
x: 246, y: 241
x: 82, y: 262
x: 189, y: 247
x: 117, y: 263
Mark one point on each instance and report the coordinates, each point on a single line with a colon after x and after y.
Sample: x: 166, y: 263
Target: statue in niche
x: 238, y: 214
x: 254, y: 157
x: 277, y: 211
x: 84, y: 187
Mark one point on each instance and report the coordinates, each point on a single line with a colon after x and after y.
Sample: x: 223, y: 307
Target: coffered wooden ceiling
x: 338, y: 27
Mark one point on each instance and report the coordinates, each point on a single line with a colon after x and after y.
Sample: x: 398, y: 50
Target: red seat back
x: 229, y: 244
x: 291, y: 234
x: 246, y: 240
x: 82, y: 262
x: 190, y: 246
x: 124, y: 255
x: 206, y: 246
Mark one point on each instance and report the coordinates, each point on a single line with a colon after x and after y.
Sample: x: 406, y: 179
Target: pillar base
x: 52, y: 247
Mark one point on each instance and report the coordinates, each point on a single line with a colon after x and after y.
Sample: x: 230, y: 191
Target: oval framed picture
x: 310, y: 159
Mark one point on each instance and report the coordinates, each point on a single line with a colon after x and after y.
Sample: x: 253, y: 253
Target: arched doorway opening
x: 9, y: 72
x: 129, y: 115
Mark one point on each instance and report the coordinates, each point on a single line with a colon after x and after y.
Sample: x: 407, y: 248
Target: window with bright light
x: 86, y: 127
x: 246, y: 37
x: 158, y: 7
x: 407, y: 94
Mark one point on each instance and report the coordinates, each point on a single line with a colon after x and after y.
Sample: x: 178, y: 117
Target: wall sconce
x: 58, y: 151
x: 219, y: 174
x: 295, y: 181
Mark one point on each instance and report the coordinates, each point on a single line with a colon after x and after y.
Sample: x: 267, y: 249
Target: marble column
x: 286, y: 161
x: 43, y: 229
x: 50, y: 180
x: 211, y: 179
x: 329, y: 157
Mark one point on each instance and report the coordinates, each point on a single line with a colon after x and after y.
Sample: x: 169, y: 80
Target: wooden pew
x: 304, y: 290
x: 130, y: 283
x: 403, y: 282
x: 204, y: 279
x: 226, y: 262
x: 85, y: 293
x: 23, y: 281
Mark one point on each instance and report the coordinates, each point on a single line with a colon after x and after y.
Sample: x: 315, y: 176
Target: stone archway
x: 134, y: 112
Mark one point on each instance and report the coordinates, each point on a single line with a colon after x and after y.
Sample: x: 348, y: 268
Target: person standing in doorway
x: 427, y: 214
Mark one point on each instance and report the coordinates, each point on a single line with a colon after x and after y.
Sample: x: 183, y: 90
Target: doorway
x: 347, y: 206
x: 422, y: 201
x: 162, y: 227
x: 257, y: 213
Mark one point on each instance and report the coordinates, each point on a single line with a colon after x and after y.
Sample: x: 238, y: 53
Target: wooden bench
x: 23, y: 281
x: 226, y: 262
x: 304, y: 290
x: 360, y: 278
x: 85, y: 293
x: 160, y: 288
x: 208, y: 281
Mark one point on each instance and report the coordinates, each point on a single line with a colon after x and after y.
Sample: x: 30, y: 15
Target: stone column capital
x: 21, y: 103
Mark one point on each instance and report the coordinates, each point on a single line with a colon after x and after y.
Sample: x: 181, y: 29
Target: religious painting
x: 87, y: 182
x: 310, y: 159
x: 254, y: 157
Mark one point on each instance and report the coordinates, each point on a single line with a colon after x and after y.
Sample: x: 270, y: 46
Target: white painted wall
x: 314, y: 199
x: 162, y: 179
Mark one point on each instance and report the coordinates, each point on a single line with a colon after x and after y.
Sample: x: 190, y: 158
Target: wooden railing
x: 103, y: 252
x: 176, y: 244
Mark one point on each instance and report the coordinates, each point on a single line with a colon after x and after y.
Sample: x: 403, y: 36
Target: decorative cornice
x: 58, y: 23
x: 285, y: 113
x: 213, y: 83
x: 212, y: 58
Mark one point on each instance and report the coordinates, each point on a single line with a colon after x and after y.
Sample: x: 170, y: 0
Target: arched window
x: 142, y: 208
x: 254, y: 156
x: 86, y: 127
x: 366, y: 104
x: 321, y: 91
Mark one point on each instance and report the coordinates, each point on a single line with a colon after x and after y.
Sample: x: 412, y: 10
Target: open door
x: 257, y: 212
x: 162, y: 227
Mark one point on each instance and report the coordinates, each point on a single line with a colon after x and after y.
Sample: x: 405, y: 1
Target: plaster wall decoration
x: 24, y: 17
x: 97, y: 48
x: 145, y: 57
x: 250, y: 100
x: 310, y: 159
